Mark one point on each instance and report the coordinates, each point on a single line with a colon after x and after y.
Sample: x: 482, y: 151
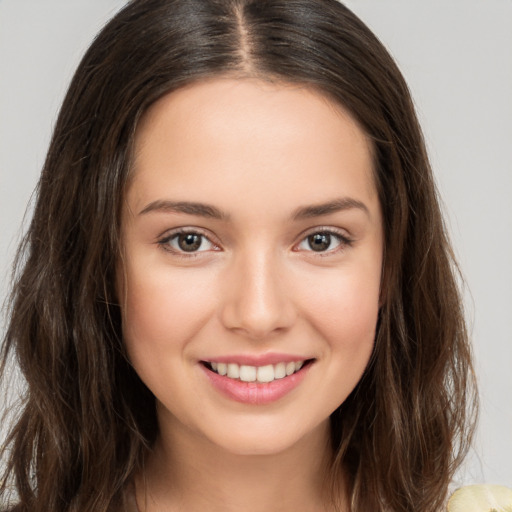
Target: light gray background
x: 457, y: 58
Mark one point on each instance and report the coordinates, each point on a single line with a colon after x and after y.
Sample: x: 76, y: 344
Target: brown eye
x: 319, y: 241
x: 189, y: 242
x: 324, y: 241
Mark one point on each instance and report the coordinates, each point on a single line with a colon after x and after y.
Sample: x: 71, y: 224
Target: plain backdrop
x: 457, y: 58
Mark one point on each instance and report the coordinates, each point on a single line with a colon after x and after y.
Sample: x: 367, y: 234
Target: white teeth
x: 290, y: 368
x: 267, y: 373
x: 233, y: 371
x: 279, y: 370
x: 248, y: 373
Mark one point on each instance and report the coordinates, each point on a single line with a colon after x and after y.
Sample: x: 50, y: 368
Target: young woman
x: 237, y: 291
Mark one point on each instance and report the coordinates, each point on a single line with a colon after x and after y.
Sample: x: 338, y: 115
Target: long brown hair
x: 86, y: 419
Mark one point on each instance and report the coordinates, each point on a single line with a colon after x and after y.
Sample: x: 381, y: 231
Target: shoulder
x: 480, y: 498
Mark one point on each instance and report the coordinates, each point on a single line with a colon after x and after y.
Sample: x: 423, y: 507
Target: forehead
x: 247, y: 134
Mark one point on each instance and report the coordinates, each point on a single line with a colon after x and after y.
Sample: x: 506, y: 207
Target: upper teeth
x: 266, y: 373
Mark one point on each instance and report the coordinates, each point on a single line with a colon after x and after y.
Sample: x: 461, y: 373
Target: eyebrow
x: 336, y: 205
x: 212, y: 212
x: 191, y: 208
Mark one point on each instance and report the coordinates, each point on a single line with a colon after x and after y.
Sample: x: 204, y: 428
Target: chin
x: 268, y: 440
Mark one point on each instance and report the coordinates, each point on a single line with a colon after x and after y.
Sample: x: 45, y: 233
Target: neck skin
x: 186, y: 472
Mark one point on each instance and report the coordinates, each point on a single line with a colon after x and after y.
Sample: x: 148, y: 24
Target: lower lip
x: 256, y: 393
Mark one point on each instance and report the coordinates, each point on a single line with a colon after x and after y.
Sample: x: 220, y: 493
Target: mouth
x: 260, y: 374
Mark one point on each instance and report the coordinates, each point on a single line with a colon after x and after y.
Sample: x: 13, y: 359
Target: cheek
x: 346, y: 307
x: 344, y: 312
x: 163, y: 310
x: 350, y: 331
x: 348, y: 323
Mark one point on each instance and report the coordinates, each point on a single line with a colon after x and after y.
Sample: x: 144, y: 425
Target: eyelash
x: 164, y: 242
x: 343, y: 242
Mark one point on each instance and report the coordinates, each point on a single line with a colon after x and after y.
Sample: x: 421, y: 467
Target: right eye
x: 187, y: 242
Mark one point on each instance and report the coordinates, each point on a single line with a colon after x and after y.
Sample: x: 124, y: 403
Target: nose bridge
x: 257, y: 301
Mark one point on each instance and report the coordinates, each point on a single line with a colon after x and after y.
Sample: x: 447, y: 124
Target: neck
x: 187, y: 472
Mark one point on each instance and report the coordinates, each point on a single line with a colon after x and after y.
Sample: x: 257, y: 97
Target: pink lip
x: 256, y: 393
x: 258, y: 360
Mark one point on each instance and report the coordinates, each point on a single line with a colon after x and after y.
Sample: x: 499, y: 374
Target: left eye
x: 322, y: 241
x: 187, y: 242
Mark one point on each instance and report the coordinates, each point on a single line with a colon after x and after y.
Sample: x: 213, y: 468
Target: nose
x: 256, y: 300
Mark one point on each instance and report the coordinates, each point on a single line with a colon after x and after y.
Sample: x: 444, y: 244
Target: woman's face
x: 253, y: 240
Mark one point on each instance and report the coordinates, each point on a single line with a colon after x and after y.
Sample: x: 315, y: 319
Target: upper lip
x: 257, y: 359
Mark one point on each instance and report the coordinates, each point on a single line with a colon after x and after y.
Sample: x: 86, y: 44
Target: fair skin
x: 252, y: 235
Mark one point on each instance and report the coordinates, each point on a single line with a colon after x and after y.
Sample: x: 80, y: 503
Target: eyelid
x: 344, y: 239
x: 164, y: 239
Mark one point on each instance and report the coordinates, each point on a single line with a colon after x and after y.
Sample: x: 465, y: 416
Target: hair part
x: 87, y: 420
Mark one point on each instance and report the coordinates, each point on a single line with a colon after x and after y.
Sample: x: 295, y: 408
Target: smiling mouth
x: 261, y: 374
